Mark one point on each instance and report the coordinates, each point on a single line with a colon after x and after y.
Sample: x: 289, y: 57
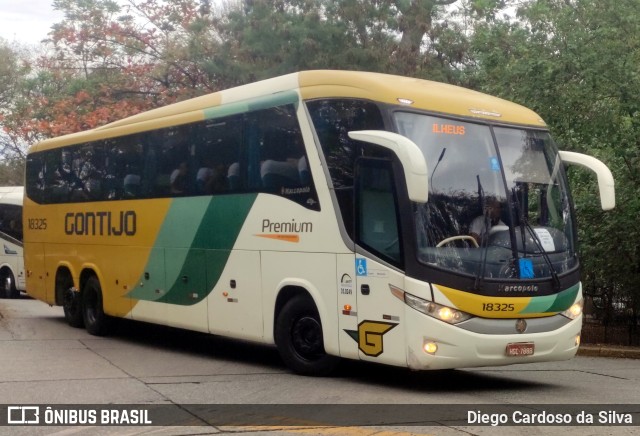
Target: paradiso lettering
x: 100, y: 223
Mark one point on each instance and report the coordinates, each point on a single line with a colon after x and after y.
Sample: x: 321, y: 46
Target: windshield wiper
x: 554, y: 274
x: 483, y: 237
x: 524, y: 223
x: 484, y: 242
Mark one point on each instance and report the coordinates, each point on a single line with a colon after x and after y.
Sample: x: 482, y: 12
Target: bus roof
x: 397, y: 90
x: 11, y: 195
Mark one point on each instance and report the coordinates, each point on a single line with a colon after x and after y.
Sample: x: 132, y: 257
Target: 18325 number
x: 37, y: 223
x: 498, y: 307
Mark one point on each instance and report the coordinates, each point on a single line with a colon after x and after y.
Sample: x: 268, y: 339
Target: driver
x: 482, y: 224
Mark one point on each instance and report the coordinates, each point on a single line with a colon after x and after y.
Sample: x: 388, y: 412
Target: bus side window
x: 377, y: 215
x: 11, y: 220
x: 217, y: 156
x: 333, y: 119
x: 277, y: 157
x: 35, y: 177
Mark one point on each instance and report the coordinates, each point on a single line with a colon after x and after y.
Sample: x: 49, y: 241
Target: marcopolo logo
x: 518, y: 288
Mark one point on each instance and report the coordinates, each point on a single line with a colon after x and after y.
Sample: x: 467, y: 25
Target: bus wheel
x: 72, y: 306
x: 95, y: 320
x: 299, y: 338
x: 8, y: 285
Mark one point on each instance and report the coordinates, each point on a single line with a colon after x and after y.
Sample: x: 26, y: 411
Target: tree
x: 407, y: 37
x: 575, y: 62
x: 13, y: 70
x: 12, y: 172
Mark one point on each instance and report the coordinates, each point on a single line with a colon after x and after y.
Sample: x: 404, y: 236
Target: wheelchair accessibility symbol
x: 361, y: 267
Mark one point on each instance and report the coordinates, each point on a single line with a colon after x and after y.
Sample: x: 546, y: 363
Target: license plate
x: 520, y: 349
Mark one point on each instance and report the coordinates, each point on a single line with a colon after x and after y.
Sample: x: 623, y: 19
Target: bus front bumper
x: 434, y: 344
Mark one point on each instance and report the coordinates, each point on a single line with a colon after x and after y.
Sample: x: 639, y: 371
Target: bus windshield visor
x: 498, y: 204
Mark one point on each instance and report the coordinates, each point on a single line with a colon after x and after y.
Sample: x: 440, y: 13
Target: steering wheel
x: 458, y: 238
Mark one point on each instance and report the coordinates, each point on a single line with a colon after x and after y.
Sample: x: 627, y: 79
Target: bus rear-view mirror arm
x: 605, y: 178
x: 410, y: 156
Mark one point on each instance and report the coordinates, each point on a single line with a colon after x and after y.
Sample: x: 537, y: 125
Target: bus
x: 12, y: 279
x: 327, y: 213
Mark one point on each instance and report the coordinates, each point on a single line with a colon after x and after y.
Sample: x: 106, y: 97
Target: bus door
x: 380, y: 334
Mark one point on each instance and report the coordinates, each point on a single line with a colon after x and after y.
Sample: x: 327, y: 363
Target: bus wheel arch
x: 96, y: 322
x: 68, y: 296
x: 8, y: 284
x: 298, y: 334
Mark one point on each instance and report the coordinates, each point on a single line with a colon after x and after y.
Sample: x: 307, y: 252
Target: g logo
x: 369, y: 336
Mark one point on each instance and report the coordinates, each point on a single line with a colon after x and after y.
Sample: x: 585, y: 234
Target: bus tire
x: 8, y: 285
x: 298, y: 335
x: 72, y: 305
x: 95, y: 320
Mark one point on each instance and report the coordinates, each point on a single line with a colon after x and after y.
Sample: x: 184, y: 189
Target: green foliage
x: 11, y: 172
x: 14, y: 69
x: 265, y: 38
x: 575, y: 63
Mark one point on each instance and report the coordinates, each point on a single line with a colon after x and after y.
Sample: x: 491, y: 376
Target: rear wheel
x: 95, y: 320
x: 71, y: 303
x: 8, y: 285
x: 299, y: 338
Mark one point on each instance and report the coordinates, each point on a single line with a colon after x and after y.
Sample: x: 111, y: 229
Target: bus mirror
x: 411, y: 158
x: 605, y: 178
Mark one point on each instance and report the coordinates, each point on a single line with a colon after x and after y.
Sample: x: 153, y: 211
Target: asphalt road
x: 43, y: 361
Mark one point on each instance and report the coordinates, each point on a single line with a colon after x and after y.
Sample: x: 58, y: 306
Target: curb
x: 609, y: 351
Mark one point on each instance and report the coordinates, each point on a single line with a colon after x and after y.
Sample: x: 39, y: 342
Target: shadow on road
x: 230, y: 350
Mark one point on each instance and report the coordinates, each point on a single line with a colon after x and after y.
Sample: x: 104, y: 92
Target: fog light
x: 577, y: 340
x: 430, y: 347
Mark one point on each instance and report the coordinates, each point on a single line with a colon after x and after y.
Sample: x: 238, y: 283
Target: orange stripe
x: 280, y: 237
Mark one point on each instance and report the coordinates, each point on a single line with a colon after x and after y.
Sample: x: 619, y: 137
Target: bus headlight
x: 434, y: 310
x: 574, y: 311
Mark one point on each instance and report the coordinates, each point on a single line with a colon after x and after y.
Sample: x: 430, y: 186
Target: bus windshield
x: 498, y: 204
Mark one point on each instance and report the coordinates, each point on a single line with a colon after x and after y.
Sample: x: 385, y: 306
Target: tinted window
x: 276, y: 158
x: 333, y: 120
x: 377, y: 221
x: 11, y: 220
x: 217, y: 156
x: 260, y: 151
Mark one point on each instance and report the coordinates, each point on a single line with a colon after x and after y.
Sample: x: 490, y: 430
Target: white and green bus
x: 335, y: 214
x: 12, y: 279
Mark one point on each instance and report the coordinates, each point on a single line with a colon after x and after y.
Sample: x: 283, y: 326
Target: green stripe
x: 565, y: 299
x: 192, y: 248
x: 254, y: 104
x: 553, y: 303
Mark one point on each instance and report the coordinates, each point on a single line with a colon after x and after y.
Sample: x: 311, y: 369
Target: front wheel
x: 95, y: 320
x: 299, y: 338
